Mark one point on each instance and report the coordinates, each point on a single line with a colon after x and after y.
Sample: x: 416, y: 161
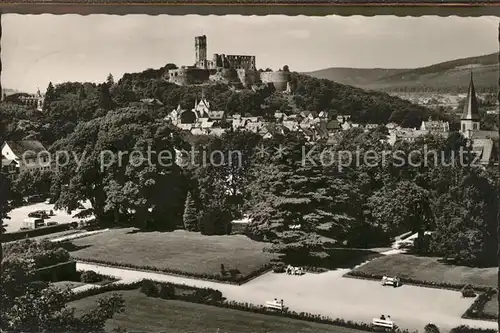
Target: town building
x: 34, y: 101
x: 26, y: 155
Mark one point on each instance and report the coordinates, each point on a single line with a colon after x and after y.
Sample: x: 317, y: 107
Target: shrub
x: 431, y: 328
x: 90, y: 277
x: 148, y: 287
x: 279, y: 268
x: 167, y: 291
x: 477, y: 308
x: 467, y: 329
x: 468, y: 291
x: 431, y: 284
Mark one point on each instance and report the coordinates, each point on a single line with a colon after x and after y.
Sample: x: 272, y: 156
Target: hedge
x: 13, y: 236
x: 213, y: 297
x: 210, y: 277
x: 59, y: 272
x: 422, y: 283
x: 475, y: 311
x: 468, y: 329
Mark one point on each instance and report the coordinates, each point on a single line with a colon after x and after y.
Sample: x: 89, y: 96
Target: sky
x: 36, y: 49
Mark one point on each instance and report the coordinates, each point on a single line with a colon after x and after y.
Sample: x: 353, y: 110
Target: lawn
x: 147, y: 314
x: 430, y: 269
x: 491, y: 307
x: 179, y: 250
x: 67, y: 284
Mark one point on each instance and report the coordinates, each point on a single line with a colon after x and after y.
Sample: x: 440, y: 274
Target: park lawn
x: 429, y: 269
x: 491, y: 307
x: 188, y: 252
x: 147, y: 314
x: 65, y: 285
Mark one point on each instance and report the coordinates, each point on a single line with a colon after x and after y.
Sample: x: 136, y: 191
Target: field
x: 146, y: 314
x: 187, y: 252
x: 430, y: 269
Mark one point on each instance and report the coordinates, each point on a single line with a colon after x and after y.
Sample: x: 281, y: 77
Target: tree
x: 105, y: 100
x: 121, y: 171
x: 49, y: 97
x: 190, y: 215
x: 110, y: 80
x: 28, y: 305
x: 402, y: 207
x: 4, y: 208
x: 286, y: 69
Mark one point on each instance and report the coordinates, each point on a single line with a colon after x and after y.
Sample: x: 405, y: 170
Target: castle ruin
x: 224, y: 68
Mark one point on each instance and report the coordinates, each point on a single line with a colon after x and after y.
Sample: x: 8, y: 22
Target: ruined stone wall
x: 234, y: 61
x: 248, y: 77
x: 189, y: 75
x: 277, y: 79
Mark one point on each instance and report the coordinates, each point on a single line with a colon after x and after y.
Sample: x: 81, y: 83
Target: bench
x: 391, y: 281
x: 384, y: 323
x: 275, y: 305
x: 294, y: 270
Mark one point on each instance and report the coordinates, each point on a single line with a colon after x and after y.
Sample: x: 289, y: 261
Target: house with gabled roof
x: 25, y: 155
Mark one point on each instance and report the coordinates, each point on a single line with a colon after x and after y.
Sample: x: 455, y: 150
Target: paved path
x: 332, y: 295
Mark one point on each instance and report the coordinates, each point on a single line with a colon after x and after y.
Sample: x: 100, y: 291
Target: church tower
x: 200, y: 45
x: 470, y: 116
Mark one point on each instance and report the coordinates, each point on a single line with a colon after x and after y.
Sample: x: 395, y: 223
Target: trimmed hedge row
x: 431, y: 284
x: 240, y: 279
x: 166, y: 290
x: 59, y: 272
x: 475, y: 311
x: 468, y: 329
x: 42, y: 231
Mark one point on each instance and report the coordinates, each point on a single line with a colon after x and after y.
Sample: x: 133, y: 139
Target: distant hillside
x: 450, y: 76
x: 357, y: 77
x: 8, y: 91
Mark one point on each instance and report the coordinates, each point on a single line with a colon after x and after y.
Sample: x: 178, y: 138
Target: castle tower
x: 200, y: 45
x: 470, y: 116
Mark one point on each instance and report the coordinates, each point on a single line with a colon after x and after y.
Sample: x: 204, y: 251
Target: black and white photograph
x: 253, y: 174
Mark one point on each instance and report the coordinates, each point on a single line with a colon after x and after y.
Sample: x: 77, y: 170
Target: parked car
x: 33, y: 223
x: 39, y: 214
x: 73, y: 225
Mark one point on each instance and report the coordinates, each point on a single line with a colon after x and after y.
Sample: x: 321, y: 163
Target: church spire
x: 471, y: 110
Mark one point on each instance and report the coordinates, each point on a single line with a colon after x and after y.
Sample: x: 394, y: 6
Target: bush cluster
x: 90, y: 277
x: 475, y: 311
x: 166, y: 290
x: 468, y: 291
x: 468, y: 329
x: 432, y: 284
x: 231, y: 278
x: 13, y: 236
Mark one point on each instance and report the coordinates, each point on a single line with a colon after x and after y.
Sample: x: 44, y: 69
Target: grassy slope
x: 146, y: 314
x: 450, y: 74
x: 429, y: 269
x: 491, y: 307
x: 189, y: 252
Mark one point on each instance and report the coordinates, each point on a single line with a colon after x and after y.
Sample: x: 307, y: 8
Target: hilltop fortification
x: 239, y: 69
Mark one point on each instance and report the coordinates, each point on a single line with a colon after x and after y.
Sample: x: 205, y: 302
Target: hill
x: 449, y: 76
